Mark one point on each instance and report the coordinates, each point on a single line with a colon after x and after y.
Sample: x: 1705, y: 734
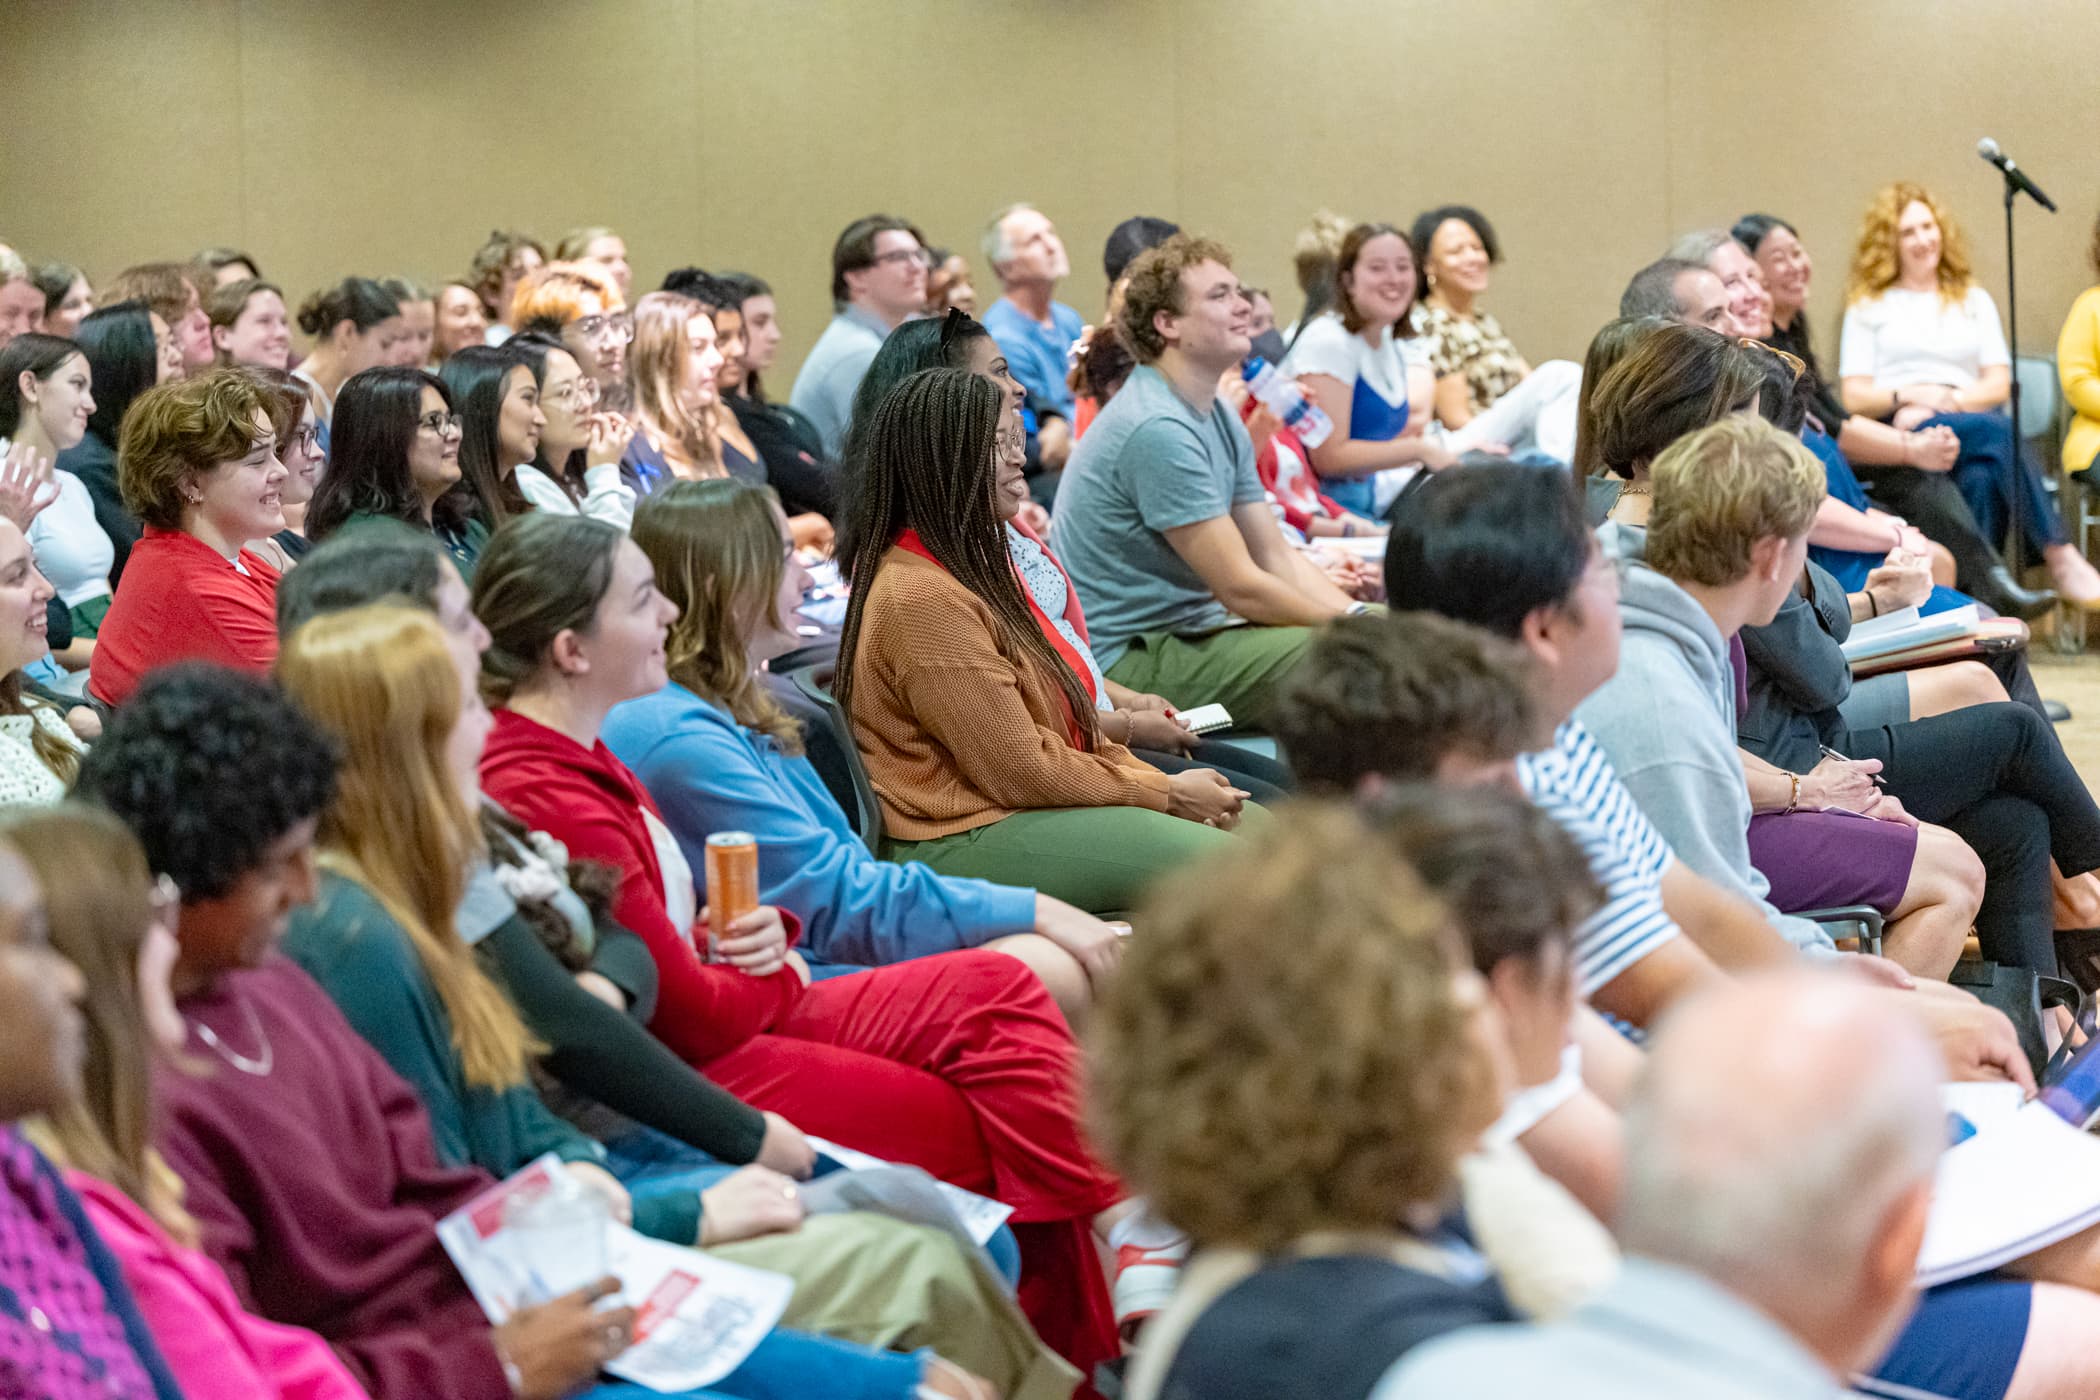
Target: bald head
x: 1781, y: 1125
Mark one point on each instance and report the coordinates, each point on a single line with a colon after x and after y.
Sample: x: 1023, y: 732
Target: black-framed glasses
x: 439, y: 424
x: 904, y: 255
x: 617, y: 328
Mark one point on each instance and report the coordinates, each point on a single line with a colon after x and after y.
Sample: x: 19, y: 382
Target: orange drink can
x: 732, y: 882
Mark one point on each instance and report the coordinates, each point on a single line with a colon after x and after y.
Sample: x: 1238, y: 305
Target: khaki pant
x: 884, y: 1283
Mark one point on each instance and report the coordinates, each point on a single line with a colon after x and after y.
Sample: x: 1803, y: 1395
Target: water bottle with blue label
x: 1282, y: 397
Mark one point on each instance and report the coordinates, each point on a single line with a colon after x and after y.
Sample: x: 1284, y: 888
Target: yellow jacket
x: 2078, y: 369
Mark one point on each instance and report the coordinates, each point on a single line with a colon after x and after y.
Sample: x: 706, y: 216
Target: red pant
x: 960, y: 1064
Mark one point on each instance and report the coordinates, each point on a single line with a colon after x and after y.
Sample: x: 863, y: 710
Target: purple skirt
x: 1821, y: 860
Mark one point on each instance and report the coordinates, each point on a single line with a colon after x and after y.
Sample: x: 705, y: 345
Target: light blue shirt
x: 1038, y: 355
x: 708, y: 773
x: 831, y: 375
x: 1149, y: 464
x: 1657, y: 1333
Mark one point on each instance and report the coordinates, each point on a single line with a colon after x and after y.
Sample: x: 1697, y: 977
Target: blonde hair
x: 553, y: 294
x: 99, y: 924
x: 1877, y: 261
x: 381, y: 681
x: 1722, y: 489
x: 1285, y: 1050
x: 576, y: 240
x: 715, y: 547
x: 656, y: 366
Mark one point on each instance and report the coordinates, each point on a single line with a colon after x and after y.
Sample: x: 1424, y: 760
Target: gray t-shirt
x: 1148, y: 464
x: 831, y: 375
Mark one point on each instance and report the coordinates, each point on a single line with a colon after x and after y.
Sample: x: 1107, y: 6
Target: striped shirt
x: 1573, y: 783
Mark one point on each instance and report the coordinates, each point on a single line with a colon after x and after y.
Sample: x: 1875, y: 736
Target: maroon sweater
x: 319, y: 1190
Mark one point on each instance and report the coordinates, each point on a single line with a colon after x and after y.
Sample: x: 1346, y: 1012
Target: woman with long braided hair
x: 974, y: 713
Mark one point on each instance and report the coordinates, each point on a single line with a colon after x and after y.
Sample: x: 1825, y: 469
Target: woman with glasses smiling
x: 396, y: 456
x: 577, y: 302
x: 577, y: 471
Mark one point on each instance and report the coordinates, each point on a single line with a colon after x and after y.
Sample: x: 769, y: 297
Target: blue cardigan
x: 708, y: 773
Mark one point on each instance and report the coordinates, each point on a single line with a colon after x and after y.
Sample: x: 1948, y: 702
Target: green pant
x: 1239, y: 668
x: 889, y: 1284
x: 1098, y: 858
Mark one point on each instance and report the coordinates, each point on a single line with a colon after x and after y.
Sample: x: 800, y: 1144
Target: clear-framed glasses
x: 905, y: 255
x: 439, y: 424
x: 576, y: 396
x: 615, y: 329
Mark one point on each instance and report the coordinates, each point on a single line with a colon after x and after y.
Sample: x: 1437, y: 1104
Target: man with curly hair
x: 1190, y: 590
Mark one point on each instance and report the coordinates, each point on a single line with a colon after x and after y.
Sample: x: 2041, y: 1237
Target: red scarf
x: 908, y: 541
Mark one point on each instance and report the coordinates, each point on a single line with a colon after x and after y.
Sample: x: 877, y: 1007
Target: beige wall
x: 384, y: 136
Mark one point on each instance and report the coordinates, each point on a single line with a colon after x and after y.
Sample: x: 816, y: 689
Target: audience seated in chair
x: 878, y: 282
x: 958, y: 1063
x: 117, y: 930
x: 497, y: 402
x: 46, y: 399
x: 1190, y: 588
x: 717, y: 753
x: 1301, y: 1105
x: 379, y: 939
x: 1922, y: 347
x: 1715, y: 1161
x: 499, y: 265
x: 58, y: 1268
x: 1142, y: 723
x: 979, y: 729
x: 198, y: 464
x: 1727, y: 542
x: 129, y: 350
x: 1036, y: 331
x: 250, y: 325
x: 354, y: 325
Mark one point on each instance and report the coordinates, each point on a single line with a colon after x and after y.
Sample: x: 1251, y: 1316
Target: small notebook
x: 2026, y: 1180
x: 1205, y: 719
x: 1902, y: 630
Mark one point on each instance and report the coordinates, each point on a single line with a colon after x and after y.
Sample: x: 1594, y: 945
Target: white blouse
x: 71, y: 548
x: 1903, y: 337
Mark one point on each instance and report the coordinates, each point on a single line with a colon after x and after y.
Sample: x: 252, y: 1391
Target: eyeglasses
x: 307, y: 440
x: 438, y: 424
x: 616, y: 329
x: 576, y: 396
x: 1791, y: 361
x: 903, y: 255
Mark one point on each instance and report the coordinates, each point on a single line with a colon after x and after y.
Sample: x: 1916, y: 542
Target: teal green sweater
x: 363, y: 959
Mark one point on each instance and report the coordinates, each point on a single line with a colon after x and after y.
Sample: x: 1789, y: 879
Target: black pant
x: 1932, y: 502
x: 1997, y: 776
x: 1264, y: 778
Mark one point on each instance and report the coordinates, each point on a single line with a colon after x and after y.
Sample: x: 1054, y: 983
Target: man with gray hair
x: 1677, y: 290
x: 21, y: 304
x: 1780, y: 1147
x: 1749, y: 304
x: 1036, y: 330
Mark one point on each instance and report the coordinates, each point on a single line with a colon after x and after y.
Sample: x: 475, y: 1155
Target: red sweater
x: 318, y: 1188
x: 589, y: 801
x: 180, y: 600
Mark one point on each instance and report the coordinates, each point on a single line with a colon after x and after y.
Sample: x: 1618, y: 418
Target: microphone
x: 1989, y: 150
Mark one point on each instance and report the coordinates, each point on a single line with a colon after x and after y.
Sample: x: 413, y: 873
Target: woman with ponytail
x: 354, y: 325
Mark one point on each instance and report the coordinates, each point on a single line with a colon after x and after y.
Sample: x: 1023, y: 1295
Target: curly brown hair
x: 1286, y: 1049
x: 1154, y: 285
x: 180, y: 431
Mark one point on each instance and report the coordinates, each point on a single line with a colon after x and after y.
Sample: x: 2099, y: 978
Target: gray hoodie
x: 1668, y: 722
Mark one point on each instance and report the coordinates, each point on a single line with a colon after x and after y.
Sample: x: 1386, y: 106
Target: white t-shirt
x: 1902, y: 338
x: 71, y: 549
x: 1328, y: 348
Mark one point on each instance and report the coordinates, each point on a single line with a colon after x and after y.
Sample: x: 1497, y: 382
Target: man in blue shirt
x: 1036, y: 331
x: 878, y: 282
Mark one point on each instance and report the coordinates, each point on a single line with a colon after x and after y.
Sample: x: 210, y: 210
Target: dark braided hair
x: 930, y: 467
